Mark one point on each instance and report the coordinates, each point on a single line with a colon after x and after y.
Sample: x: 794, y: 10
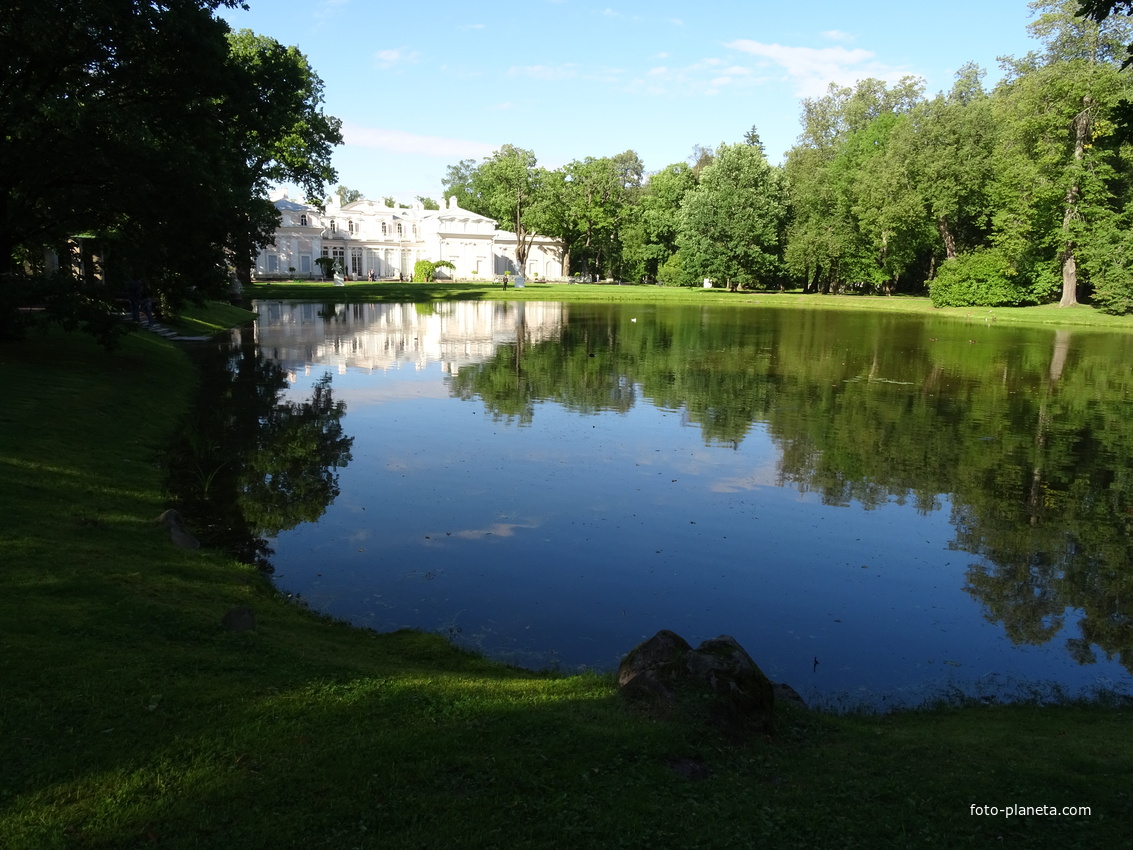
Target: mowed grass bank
x: 392, y: 291
x: 130, y: 718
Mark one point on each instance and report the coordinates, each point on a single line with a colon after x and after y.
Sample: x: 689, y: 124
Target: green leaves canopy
x: 154, y: 130
x: 731, y: 225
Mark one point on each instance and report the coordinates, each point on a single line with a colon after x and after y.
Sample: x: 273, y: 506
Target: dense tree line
x: 145, y: 135
x: 1009, y: 196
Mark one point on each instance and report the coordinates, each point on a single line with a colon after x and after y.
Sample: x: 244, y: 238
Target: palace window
x: 302, y: 221
x: 333, y: 226
x: 385, y: 230
x: 350, y: 225
x: 399, y: 228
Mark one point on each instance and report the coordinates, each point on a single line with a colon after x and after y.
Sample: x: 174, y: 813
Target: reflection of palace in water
x: 386, y: 336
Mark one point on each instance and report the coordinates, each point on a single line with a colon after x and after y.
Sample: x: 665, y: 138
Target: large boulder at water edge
x: 718, y: 675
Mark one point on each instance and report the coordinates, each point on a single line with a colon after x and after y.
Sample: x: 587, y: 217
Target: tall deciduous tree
x: 837, y: 174
x: 458, y: 182
x: 660, y: 207
x: 588, y: 204
x: 1057, y: 173
x: 278, y: 126
x: 346, y: 195
x: 945, y: 151
x: 161, y: 131
x: 508, y: 186
x: 732, y: 224
x: 107, y: 109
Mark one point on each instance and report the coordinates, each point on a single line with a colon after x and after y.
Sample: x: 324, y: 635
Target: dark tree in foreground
x: 152, y: 132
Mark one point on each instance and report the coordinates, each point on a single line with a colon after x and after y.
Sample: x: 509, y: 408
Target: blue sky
x: 422, y: 85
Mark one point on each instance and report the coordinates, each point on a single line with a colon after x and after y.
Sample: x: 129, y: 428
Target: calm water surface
x: 878, y: 508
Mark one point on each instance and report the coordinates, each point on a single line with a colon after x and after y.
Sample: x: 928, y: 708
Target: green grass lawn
x: 130, y: 718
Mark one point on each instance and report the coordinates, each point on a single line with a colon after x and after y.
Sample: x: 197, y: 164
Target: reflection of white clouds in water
x: 499, y: 529
x: 761, y: 476
x: 392, y: 391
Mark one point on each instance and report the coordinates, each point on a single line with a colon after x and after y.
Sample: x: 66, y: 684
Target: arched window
x: 350, y: 225
x: 399, y: 228
x: 385, y: 230
x: 333, y: 226
x: 302, y: 221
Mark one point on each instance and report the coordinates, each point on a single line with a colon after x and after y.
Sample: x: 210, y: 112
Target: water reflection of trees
x: 249, y: 464
x: 1026, y: 432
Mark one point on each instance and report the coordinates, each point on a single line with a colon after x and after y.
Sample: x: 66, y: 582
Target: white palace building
x: 368, y: 236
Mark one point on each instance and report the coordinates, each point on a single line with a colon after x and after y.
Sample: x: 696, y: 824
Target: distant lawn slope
x: 130, y: 718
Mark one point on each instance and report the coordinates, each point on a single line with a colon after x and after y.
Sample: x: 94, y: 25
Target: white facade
x: 373, y: 337
x: 367, y: 236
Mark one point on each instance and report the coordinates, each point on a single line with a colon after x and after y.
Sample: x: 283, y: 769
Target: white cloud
x: 566, y: 71
x: 812, y: 69
x: 705, y: 77
x: 328, y: 7
x: 396, y: 56
x: 838, y: 35
x: 496, y: 529
x: 398, y: 141
x: 615, y: 14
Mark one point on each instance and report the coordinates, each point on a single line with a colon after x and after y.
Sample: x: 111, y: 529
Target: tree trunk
x: 948, y: 237
x: 522, y: 245
x: 1073, y: 195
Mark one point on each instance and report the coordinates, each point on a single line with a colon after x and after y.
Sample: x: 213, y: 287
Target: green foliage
x: 508, y: 187
x: 732, y: 224
x: 1110, y: 263
x: 134, y: 104
x: 428, y: 203
x: 983, y: 278
x: 347, y: 195
x: 457, y: 182
x: 589, y: 205
x: 424, y: 271
x: 660, y: 205
x: 1058, y: 166
x: 858, y: 220
x: 672, y: 271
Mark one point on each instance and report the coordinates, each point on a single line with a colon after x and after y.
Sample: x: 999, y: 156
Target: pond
x: 881, y: 509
